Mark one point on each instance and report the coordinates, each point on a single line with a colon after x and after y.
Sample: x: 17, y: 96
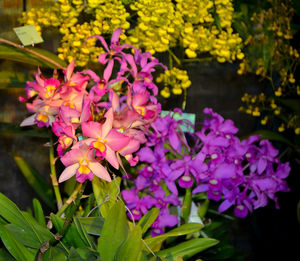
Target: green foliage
x: 35, y: 180
x: 12, y: 53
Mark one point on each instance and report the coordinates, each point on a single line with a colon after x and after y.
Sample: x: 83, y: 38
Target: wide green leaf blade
x: 12, y: 53
x: 23, y: 237
x: 38, y: 212
x: 105, y: 193
x: 92, y: 225
x: 114, y: 232
x: 15, y: 248
x: 179, y: 231
x: 188, y: 249
x: 131, y: 249
x: 36, y: 181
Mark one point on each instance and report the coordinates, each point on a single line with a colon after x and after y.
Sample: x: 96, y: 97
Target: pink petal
x: 108, y: 70
x: 28, y: 121
x: 71, y: 157
x: 109, y: 117
x: 132, y: 147
x: 68, y: 172
x: 116, y: 35
x: 99, y: 171
x: 111, y: 157
x: 70, y: 69
x: 116, y: 140
x: 92, y: 129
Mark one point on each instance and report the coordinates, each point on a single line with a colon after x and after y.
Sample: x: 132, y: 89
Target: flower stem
x: 45, y: 58
x: 54, y: 176
x: 174, y: 57
x: 71, y: 199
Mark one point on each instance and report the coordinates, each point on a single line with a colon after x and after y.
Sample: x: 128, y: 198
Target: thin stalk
x: 174, y: 57
x: 71, y: 199
x: 53, y: 175
x: 184, y: 99
x: 45, y: 58
x: 204, y: 59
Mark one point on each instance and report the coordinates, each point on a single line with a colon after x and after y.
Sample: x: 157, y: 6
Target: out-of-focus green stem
x: 54, y: 176
x: 71, y: 199
x: 204, y: 59
x: 184, y: 99
x: 174, y: 57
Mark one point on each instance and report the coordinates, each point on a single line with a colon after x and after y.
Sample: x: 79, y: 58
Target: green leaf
x: 105, y: 193
x: 189, y: 248
x: 83, y: 234
x: 38, y: 212
x: 71, y: 237
x: 54, y: 254
x: 10, y: 212
x: 14, y: 79
x: 147, y: 220
x: 132, y: 247
x: 293, y: 104
x: 15, y: 248
x: 114, y: 232
x: 13, y: 129
x: 12, y: 53
x: 4, y: 256
x: 186, y: 205
x: 271, y: 135
x: 179, y: 231
x: 83, y: 254
x: 203, y: 208
x: 22, y: 236
x: 36, y: 181
x: 92, y: 225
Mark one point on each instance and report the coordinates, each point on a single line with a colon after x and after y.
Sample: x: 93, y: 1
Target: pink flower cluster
x: 97, y: 118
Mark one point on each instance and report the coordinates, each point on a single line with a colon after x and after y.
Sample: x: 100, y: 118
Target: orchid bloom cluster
x: 240, y: 174
x: 97, y: 118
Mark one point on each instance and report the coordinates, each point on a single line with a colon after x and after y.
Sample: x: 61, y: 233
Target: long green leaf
x: 83, y: 254
x: 10, y: 212
x: 13, y: 129
x: 293, y: 104
x: 131, y: 249
x: 147, y: 220
x: 15, y: 248
x: 179, y: 231
x: 4, y: 256
x: 83, y: 234
x: 13, y: 79
x: 114, y: 232
x: 92, y: 225
x: 23, y: 237
x: 189, y: 248
x: 72, y: 237
x: 11, y: 53
x: 38, y: 212
x: 36, y: 181
x: 271, y: 135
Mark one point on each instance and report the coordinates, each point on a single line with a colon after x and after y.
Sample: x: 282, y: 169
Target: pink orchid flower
x: 81, y: 162
x: 104, y: 139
